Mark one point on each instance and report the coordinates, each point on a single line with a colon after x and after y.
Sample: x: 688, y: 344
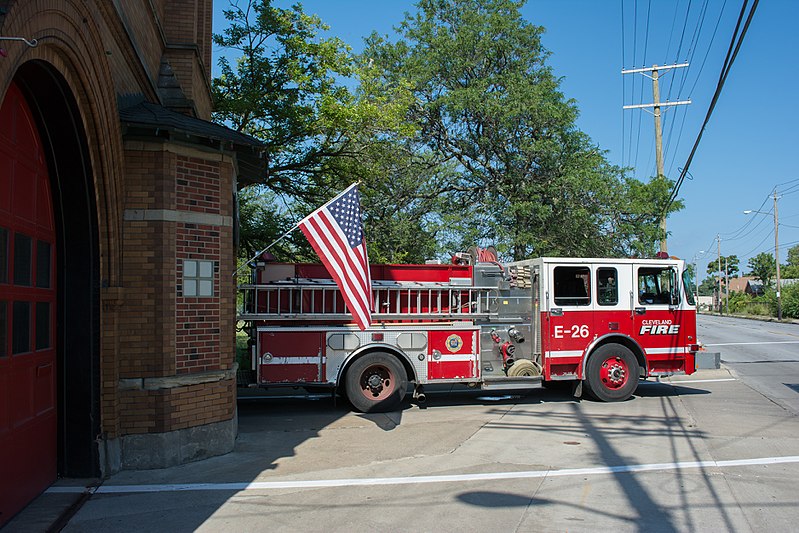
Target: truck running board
x: 521, y: 382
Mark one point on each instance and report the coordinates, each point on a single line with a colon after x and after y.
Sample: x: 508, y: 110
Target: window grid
x: 198, y: 278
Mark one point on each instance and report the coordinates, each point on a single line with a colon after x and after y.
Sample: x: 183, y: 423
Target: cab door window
x: 607, y: 280
x: 658, y: 286
x: 572, y: 285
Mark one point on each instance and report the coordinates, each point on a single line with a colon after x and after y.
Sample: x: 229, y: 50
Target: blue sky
x: 747, y: 148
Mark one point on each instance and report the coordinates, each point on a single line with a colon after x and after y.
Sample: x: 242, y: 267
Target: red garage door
x: 27, y: 311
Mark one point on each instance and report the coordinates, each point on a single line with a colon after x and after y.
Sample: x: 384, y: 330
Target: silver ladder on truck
x: 320, y: 299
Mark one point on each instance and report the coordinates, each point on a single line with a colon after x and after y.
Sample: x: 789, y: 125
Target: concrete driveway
x: 702, y: 453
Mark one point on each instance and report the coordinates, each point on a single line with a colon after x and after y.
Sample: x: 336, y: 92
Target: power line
x: 682, y: 37
x: 756, y: 248
x: 643, y: 62
x: 623, y: 85
x: 709, y: 47
x: 692, y: 47
x: 732, y: 54
x: 696, y: 81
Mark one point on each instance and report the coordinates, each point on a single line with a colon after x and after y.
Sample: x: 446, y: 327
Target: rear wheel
x: 612, y: 373
x: 376, y: 383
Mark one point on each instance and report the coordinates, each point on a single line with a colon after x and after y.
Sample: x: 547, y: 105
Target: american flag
x: 336, y: 233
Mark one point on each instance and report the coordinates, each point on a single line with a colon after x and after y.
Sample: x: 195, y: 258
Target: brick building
x: 117, y: 210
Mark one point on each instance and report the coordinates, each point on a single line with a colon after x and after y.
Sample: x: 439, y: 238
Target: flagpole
x: 250, y: 260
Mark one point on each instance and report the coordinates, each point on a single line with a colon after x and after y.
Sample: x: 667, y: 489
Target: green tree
x: 286, y: 89
x: 730, y: 262
x: 763, y: 267
x: 791, y: 269
x: 486, y: 101
x: 707, y: 287
x: 793, y: 256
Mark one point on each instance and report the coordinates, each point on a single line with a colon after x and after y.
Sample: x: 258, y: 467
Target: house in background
x: 746, y: 284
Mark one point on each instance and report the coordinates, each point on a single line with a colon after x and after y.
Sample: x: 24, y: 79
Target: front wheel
x: 376, y: 383
x: 612, y: 373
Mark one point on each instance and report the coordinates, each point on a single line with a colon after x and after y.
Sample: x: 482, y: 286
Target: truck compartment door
x: 291, y: 356
x: 453, y: 354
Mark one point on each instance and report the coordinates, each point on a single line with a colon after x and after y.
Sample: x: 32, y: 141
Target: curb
x: 753, y: 317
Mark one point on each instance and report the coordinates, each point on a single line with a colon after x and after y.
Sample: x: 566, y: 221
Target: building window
x: 21, y: 328
x: 22, y: 259
x: 43, y: 261
x: 198, y: 278
x: 3, y: 255
x: 3, y: 329
x: 42, y: 325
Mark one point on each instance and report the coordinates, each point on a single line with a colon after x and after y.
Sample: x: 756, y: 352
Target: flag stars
x: 347, y: 213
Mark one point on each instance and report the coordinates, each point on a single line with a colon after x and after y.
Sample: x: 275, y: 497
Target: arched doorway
x: 28, y: 415
x: 45, y: 109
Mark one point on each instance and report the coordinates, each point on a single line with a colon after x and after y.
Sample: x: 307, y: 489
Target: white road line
x: 696, y: 381
x: 329, y: 483
x: 752, y: 343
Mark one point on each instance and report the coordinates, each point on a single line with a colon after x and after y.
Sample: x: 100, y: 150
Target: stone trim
x: 162, y: 450
x: 171, y: 215
x: 174, y: 382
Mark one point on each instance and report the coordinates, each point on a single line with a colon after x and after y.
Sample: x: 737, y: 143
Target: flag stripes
x: 336, y: 234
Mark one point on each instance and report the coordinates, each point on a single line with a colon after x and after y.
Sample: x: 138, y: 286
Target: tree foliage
x: 486, y: 100
x: 708, y: 287
x: 763, y: 267
x: 791, y: 269
x: 285, y: 89
x: 457, y: 130
x: 729, y: 265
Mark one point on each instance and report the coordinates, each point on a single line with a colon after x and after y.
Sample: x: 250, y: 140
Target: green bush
x: 790, y: 301
x: 242, y: 353
x: 745, y: 304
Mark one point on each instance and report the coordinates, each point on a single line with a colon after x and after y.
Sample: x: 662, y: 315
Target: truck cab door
x: 657, y: 325
x: 569, y: 318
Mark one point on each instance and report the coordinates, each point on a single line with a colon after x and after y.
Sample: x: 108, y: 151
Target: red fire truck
x: 602, y: 323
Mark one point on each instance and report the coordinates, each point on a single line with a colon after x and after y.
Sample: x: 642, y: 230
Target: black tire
x: 376, y: 383
x: 611, y: 373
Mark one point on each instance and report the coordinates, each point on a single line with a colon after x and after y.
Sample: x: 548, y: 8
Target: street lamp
x: 776, y: 249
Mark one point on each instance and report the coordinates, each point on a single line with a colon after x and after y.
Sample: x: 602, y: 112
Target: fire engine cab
x: 601, y: 323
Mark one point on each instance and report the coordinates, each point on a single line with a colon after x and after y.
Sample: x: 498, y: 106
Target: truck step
x: 521, y: 382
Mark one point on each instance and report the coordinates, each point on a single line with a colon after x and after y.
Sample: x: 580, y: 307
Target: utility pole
x: 656, y: 105
x: 696, y: 281
x: 718, y: 250
x: 777, y: 255
x: 726, y: 286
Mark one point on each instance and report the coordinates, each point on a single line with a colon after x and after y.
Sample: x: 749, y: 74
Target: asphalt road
x: 765, y: 355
